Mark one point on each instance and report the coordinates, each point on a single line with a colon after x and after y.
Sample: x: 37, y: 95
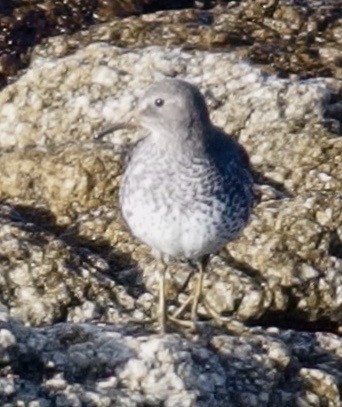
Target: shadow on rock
x: 294, y: 320
x: 332, y: 112
x: 42, y: 219
x: 50, y: 275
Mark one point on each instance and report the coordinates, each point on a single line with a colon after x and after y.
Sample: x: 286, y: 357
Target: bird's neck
x: 188, y: 142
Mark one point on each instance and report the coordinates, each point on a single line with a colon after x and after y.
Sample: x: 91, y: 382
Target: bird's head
x: 173, y: 108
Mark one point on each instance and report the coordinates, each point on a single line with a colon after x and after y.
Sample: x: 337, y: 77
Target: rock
x: 45, y: 279
x: 286, y: 37
x: 90, y: 365
x: 7, y: 341
x: 61, y: 188
x: 24, y: 23
x: 69, y: 264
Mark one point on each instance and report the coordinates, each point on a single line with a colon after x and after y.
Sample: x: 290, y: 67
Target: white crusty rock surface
x: 71, y: 365
x: 69, y: 265
x: 57, y: 179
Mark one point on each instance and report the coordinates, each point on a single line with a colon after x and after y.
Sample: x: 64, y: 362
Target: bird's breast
x: 185, y: 212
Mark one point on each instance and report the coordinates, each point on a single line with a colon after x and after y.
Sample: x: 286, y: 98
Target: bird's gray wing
x: 232, y: 159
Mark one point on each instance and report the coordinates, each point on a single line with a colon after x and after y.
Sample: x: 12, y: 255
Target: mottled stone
x: 288, y: 260
x: 46, y: 277
x: 286, y: 36
x: 94, y: 365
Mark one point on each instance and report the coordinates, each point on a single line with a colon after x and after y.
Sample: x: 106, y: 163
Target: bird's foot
x: 180, y: 311
x: 229, y: 323
x: 193, y: 323
x: 189, y: 324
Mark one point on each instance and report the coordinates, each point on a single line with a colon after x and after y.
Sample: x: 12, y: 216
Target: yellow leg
x: 162, y: 304
x: 183, y: 307
x: 198, y: 289
x: 182, y: 323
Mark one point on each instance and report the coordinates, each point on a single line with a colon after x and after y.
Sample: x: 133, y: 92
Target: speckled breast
x: 182, y: 209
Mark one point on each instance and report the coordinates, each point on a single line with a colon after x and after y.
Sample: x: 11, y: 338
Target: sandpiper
x: 187, y: 189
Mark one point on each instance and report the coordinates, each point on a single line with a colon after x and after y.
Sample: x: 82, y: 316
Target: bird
x: 187, y: 189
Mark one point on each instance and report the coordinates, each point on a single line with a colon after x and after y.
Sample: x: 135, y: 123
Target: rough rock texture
x: 69, y: 365
x: 45, y: 279
x: 68, y: 261
x: 285, y: 36
x: 285, y: 267
x: 24, y: 23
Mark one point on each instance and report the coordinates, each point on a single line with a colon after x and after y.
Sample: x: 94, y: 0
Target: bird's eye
x: 159, y: 102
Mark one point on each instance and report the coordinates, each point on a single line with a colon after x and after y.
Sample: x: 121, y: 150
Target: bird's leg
x: 179, y: 311
x: 195, y: 297
x: 183, y: 323
x: 175, y: 316
x: 162, y: 304
x: 186, y: 282
x: 198, y: 288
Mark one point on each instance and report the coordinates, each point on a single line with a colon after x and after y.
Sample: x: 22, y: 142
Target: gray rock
x: 287, y: 261
x: 66, y: 256
x: 89, y: 365
x: 45, y: 279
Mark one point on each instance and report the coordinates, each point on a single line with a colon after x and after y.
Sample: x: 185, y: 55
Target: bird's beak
x: 131, y: 124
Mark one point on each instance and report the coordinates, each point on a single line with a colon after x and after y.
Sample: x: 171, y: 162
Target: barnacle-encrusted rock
x: 284, y: 36
x: 93, y: 365
x: 288, y: 259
